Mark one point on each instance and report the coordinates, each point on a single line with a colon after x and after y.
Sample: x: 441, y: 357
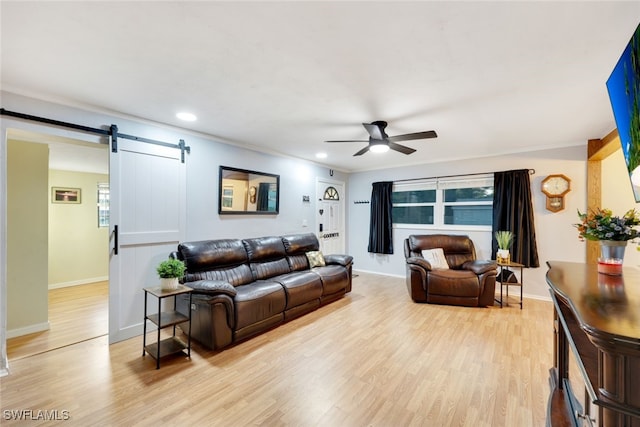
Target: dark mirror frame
x: 251, y: 192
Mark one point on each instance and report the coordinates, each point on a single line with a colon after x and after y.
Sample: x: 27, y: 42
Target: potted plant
x: 170, y: 271
x: 504, y: 239
x: 612, y: 232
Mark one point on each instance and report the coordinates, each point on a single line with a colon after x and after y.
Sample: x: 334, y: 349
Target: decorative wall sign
x: 66, y: 195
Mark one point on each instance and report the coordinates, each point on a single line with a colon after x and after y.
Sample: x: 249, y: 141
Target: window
x: 227, y: 198
x: 444, y: 203
x: 414, y: 203
x: 331, y: 194
x: 103, y: 204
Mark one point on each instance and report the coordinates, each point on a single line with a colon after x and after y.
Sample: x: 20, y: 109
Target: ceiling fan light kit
x: 380, y: 142
x: 379, y: 148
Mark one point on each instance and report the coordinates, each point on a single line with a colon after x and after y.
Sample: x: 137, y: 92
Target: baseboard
x: 78, y: 282
x: 524, y: 295
x: 377, y: 273
x: 538, y: 297
x: 31, y: 329
x: 4, y: 365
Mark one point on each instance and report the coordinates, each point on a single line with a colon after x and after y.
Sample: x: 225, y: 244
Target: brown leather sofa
x: 467, y: 282
x: 242, y: 287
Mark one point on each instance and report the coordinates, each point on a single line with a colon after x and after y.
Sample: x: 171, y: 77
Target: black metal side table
x: 165, y: 319
x: 507, y: 267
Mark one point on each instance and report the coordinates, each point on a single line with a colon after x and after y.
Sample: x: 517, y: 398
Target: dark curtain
x: 263, y: 197
x: 513, y: 211
x: 381, y: 224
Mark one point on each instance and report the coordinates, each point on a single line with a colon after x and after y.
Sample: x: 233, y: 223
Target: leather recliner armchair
x: 467, y: 282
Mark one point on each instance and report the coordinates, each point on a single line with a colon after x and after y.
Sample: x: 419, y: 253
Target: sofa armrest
x: 343, y: 260
x: 421, y: 262
x: 480, y: 266
x: 212, y: 287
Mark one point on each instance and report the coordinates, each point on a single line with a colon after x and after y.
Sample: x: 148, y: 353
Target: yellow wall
x: 27, y: 191
x: 78, y: 248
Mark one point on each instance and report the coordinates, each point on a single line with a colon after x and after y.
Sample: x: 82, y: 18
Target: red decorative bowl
x: 611, y: 266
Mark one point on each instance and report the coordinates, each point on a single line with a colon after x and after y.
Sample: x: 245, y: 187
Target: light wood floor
x: 372, y: 358
x: 76, y: 313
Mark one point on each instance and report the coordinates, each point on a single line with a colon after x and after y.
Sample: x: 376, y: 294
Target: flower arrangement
x: 602, y: 225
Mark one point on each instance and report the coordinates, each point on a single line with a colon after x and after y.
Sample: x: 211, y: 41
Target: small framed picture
x: 66, y: 195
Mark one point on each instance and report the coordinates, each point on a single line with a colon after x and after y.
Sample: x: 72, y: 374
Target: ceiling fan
x: 380, y: 142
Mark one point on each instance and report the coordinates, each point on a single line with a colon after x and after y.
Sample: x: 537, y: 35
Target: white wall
x: 297, y: 178
x: 556, y: 238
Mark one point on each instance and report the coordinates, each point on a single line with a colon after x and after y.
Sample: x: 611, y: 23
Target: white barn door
x: 147, y: 221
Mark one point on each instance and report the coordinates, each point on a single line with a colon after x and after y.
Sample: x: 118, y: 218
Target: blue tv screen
x: 624, y: 92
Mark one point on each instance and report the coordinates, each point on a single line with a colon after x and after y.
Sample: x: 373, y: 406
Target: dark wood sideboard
x: 595, y: 379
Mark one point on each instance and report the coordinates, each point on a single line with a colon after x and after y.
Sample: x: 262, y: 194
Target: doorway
x: 330, y: 216
x: 58, y: 295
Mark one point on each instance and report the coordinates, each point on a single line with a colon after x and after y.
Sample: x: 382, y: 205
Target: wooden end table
x: 165, y: 319
x: 508, y: 266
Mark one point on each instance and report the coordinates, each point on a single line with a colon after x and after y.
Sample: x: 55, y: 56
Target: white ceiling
x: 489, y: 77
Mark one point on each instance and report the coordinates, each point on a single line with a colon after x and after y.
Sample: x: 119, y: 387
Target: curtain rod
x: 531, y: 172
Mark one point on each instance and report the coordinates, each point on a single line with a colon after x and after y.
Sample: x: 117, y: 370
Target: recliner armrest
x: 421, y: 262
x: 480, y: 266
x: 343, y: 260
x: 212, y: 287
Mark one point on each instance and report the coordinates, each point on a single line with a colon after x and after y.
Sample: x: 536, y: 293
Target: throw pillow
x: 436, y: 258
x: 315, y: 259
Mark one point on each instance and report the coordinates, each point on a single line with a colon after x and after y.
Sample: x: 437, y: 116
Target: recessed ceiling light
x: 187, y: 117
x: 321, y: 155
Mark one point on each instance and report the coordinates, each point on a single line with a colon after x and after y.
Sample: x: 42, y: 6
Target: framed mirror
x: 248, y: 192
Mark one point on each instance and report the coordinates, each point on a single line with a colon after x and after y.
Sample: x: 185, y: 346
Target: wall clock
x: 555, y: 187
x: 252, y: 194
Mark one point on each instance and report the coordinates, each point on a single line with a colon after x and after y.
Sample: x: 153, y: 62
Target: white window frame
x: 441, y: 184
x: 104, y: 195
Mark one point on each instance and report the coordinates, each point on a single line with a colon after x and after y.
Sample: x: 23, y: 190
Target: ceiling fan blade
x: 401, y: 148
x: 376, y: 129
x: 361, y: 152
x: 410, y: 136
x: 351, y: 140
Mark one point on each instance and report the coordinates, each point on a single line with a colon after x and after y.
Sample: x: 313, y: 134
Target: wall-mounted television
x: 624, y: 93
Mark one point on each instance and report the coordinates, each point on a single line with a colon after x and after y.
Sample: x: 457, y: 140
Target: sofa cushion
x: 267, y: 257
x: 334, y: 278
x: 213, y: 287
x: 300, y: 287
x: 455, y: 283
x: 296, y: 246
x: 457, y: 249
x: 212, y: 254
x: 236, y: 276
x: 258, y: 301
x: 298, y: 262
x: 339, y: 259
x: 224, y: 259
